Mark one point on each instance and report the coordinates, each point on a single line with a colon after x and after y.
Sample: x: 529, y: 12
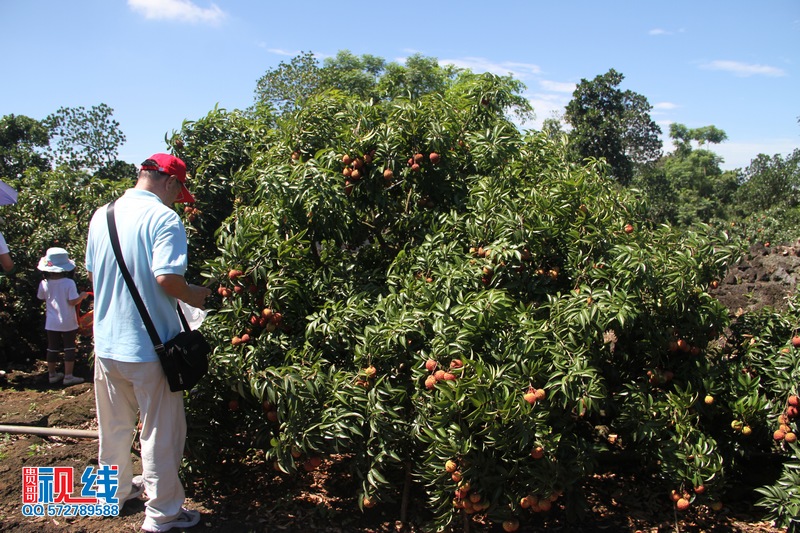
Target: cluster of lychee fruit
x: 270, y: 411
x: 789, y: 415
x: 659, y: 376
x: 268, y: 320
x: 191, y: 212
x: 240, y: 283
x: 525, y: 257
x: 682, y: 345
x: 551, y: 273
x: 366, y: 376
x: 539, y: 504
x: 533, y: 395
x: 741, y: 427
x: 439, y: 374
x: 415, y: 161
x: 480, y: 251
x: 464, y: 497
x: 310, y: 463
x: 355, y: 168
x: 683, y: 499
x: 487, y: 271
x: 368, y: 502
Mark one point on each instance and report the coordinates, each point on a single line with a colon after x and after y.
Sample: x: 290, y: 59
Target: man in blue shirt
x: 128, y: 374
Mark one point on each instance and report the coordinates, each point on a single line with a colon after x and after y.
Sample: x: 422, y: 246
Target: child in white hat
x: 60, y: 293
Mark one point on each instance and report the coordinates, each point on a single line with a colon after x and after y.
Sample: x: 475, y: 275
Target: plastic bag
x: 194, y: 315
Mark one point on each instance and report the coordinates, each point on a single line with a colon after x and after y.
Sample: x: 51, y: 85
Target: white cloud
x: 551, y: 102
x: 662, y: 31
x: 546, y: 105
x: 281, y: 52
x: 180, y: 10
x: 557, y: 86
x: 665, y: 106
x: 744, y: 69
x: 521, y: 71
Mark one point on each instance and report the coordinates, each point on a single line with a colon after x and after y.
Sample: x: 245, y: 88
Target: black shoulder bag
x: 185, y: 357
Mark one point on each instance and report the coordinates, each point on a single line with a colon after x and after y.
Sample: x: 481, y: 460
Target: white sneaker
x: 185, y: 519
x: 55, y: 378
x: 72, y: 380
x: 137, y: 489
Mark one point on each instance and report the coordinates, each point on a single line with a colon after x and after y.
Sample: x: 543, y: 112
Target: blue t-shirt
x: 153, y: 242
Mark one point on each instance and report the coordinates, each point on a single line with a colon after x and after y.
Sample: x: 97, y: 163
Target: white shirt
x: 60, y: 316
x: 3, y: 245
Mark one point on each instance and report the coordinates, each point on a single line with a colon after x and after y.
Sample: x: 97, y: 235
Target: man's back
x: 153, y: 242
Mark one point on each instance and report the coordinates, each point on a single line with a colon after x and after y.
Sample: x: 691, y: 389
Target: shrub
x: 511, y: 269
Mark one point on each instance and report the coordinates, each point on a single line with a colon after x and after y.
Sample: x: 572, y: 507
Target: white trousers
x: 123, y: 390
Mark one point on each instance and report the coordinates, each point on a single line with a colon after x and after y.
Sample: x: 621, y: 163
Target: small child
x: 60, y: 293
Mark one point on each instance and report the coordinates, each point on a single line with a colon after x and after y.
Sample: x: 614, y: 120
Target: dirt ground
x: 253, y: 498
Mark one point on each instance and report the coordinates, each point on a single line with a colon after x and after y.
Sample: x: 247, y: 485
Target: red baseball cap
x: 169, y: 164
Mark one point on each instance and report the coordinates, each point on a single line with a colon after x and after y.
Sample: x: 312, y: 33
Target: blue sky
x: 733, y: 64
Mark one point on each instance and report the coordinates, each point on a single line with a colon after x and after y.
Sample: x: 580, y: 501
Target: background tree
x: 356, y: 76
x: 289, y: 84
x: 420, y: 75
x: 659, y: 192
x: 682, y: 136
x: 20, y: 136
x: 688, y: 186
x: 766, y: 202
x: 769, y: 182
x: 703, y: 191
x: 84, y: 139
x: 613, y: 124
x: 287, y: 87
x: 55, y: 203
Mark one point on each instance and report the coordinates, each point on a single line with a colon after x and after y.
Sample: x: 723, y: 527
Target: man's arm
x: 6, y: 262
x: 175, y: 285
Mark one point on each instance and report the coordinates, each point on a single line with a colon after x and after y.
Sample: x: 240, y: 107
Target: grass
x: 36, y: 449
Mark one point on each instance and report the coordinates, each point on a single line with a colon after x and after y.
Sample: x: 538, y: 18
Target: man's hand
x: 199, y: 295
x: 176, y: 286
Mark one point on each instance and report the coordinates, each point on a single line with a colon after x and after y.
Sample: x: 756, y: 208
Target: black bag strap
x: 137, y: 298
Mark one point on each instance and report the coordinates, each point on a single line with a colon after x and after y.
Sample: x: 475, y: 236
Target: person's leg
x: 163, y: 437
x: 116, y: 419
x: 69, y: 357
x: 53, y: 349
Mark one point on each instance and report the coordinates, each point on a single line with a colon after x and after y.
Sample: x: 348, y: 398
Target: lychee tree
x: 53, y: 208
x: 420, y: 287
